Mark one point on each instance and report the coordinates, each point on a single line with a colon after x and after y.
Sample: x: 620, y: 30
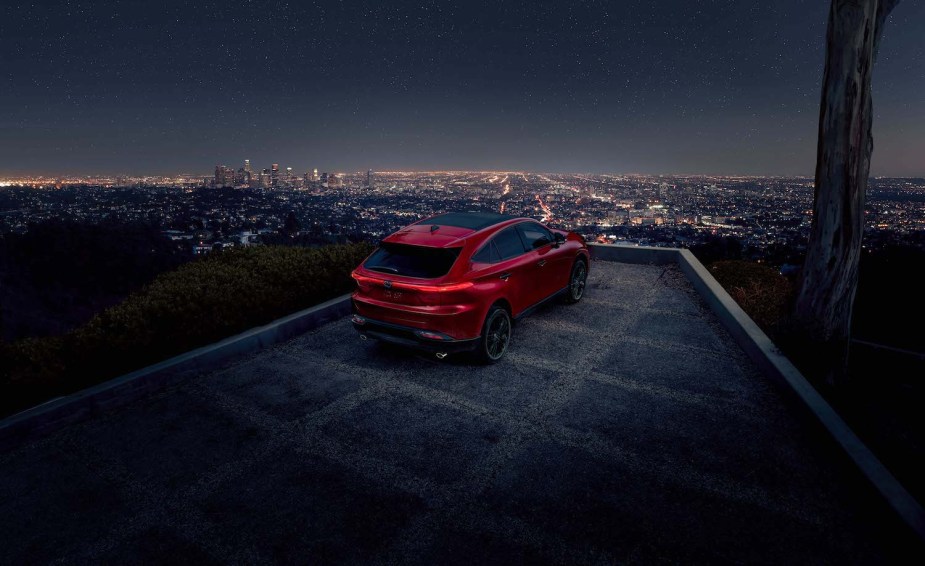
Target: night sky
x: 668, y: 86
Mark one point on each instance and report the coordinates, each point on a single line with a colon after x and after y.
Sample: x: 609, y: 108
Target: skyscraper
x: 315, y: 176
x: 369, y: 178
x: 224, y: 177
x: 274, y: 175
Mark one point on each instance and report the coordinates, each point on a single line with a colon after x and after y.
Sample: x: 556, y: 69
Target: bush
x: 762, y: 292
x: 29, y: 372
x: 197, y: 304
x: 57, y: 275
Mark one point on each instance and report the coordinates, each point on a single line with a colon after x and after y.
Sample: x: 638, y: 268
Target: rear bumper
x: 457, y: 321
x: 429, y: 341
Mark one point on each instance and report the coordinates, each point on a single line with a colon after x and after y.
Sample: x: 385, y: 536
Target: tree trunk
x: 830, y: 272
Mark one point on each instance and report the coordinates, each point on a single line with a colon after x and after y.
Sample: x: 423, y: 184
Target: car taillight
x: 362, y: 282
x: 442, y: 288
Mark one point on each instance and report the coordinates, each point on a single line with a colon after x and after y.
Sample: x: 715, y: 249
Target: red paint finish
x: 444, y: 278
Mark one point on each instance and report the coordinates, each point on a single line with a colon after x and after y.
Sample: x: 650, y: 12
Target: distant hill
x: 200, y: 302
x: 60, y: 273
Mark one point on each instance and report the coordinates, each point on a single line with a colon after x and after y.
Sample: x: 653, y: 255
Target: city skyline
x: 674, y: 88
x: 660, y: 210
x: 209, y: 173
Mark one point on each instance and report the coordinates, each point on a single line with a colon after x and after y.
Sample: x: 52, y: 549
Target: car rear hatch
x: 406, y: 274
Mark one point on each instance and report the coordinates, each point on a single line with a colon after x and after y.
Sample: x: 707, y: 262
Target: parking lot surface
x: 626, y: 428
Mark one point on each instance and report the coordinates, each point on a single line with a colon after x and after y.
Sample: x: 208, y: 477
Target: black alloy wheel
x: 496, y: 335
x: 577, y: 282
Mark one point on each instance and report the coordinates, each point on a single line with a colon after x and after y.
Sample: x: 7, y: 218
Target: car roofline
x: 461, y: 241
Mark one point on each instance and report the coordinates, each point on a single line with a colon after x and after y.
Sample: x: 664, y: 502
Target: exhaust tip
x: 441, y: 355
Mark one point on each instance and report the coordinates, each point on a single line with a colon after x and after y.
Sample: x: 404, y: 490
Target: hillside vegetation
x: 60, y: 273
x: 762, y: 292
x: 200, y: 302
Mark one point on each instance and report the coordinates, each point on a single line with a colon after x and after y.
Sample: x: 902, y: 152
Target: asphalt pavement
x: 626, y: 428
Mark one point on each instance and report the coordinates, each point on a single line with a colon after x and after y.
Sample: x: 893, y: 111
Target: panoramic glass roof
x: 471, y: 220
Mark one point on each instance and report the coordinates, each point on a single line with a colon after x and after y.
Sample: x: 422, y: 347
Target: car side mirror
x: 559, y: 238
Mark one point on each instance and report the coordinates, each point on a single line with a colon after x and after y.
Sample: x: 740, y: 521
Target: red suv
x: 457, y: 281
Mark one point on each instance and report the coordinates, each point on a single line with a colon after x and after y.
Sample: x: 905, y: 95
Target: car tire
x: 496, y: 336
x: 577, y: 280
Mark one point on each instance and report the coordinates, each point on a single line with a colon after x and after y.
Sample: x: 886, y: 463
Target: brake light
x: 440, y: 288
x: 364, y: 282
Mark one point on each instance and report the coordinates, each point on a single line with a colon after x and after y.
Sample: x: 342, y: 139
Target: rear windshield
x: 412, y: 261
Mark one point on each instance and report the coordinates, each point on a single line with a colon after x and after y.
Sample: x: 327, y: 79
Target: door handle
x: 542, y: 262
x: 504, y: 276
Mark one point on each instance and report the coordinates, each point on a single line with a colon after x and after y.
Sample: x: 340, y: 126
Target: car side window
x: 534, y: 235
x: 488, y: 254
x: 508, y: 243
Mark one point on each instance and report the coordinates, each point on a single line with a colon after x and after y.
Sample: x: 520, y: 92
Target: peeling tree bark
x: 829, y: 278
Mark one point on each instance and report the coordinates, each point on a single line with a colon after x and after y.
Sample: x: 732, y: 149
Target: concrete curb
x: 57, y: 413
x: 774, y: 364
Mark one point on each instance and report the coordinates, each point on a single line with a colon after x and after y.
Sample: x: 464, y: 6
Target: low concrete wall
x: 63, y: 411
x: 775, y: 365
x: 634, y: 254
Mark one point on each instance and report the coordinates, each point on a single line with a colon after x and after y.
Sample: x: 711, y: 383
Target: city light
x: 247, y: 205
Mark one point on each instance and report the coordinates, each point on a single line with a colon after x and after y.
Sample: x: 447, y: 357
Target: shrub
x: 29, y: 372
x: 201, y: 302
x: 61, y: 272
x: 762, y: 292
